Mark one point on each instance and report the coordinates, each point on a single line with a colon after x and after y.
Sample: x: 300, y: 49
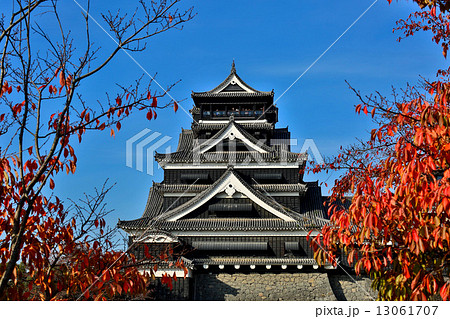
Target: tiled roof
x: 180, y: 188
x: 185, y: 140
x: 232, y: 157
x: 185, y: 152
x: 154, y: 203
x: 312, y: 204
x: 312, y: 215
x: 218, y: 126
x: 231, y: 94
x: 225, y: 224
x: 165, y: 264
x: 219, y: 90
x: 235, y: 260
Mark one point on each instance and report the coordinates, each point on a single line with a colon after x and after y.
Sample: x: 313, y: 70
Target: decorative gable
x: 232, y: 85
x: 233, y: 132
x: 229, y: 185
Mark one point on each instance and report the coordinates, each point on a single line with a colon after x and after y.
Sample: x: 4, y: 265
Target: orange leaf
x: 175, y: 106
x: 365, y: 109
x: 62, y: 80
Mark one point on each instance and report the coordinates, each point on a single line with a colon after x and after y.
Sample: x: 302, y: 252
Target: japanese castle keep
x: 234, y: 204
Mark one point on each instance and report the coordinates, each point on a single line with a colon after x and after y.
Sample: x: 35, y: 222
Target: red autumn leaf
x: 149, y: 115
x: 62, y: 78
x: 154, y: 102
x: 175, y: 106
x: 118, y: 101
x: 170, y: 18
x: 69, y: 80
x: 56, y: 71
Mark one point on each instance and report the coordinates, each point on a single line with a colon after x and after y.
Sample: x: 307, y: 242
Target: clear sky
x: 272, y: 43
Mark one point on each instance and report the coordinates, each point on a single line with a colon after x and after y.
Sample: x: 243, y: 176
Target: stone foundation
x: 281, y: 286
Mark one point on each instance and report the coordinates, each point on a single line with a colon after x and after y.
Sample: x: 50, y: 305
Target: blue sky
x: 272, y: 43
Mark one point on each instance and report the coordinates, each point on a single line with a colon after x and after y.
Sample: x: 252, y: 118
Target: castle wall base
x: 312, y: 286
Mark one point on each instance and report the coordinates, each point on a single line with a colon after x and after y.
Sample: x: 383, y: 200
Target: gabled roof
x: 234, y: 131
x: 311, y: 216
x: 234, y: 86
x: 229, y: 183
x: 185, y: 151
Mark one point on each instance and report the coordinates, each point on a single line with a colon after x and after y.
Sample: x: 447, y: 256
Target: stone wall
x: 280, y: 286
x: 351, y: 289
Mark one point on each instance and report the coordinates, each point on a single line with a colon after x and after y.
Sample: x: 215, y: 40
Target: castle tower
x: 233, y: 197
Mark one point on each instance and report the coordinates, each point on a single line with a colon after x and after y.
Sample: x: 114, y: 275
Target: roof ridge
x: 233, y: 74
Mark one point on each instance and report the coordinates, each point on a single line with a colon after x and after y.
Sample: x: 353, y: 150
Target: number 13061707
x: 406, y: 310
